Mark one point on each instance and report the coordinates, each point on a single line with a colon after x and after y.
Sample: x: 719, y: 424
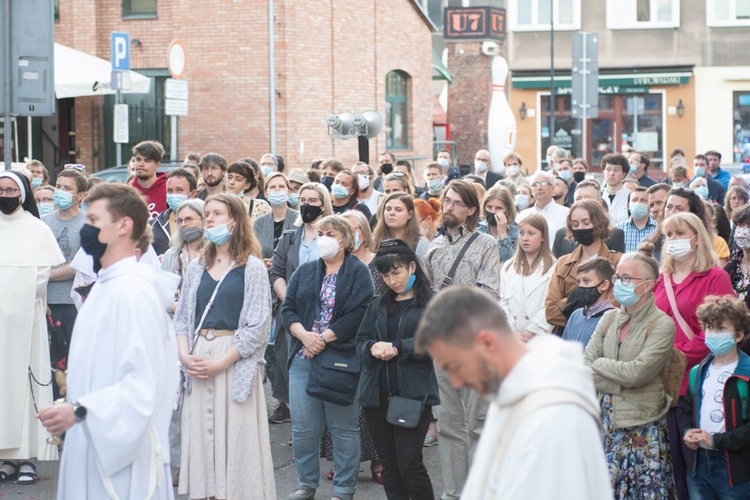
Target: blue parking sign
x: 120, y: 51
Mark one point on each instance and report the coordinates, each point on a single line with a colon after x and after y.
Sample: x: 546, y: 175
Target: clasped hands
x: 198, y: 367
x: 696, y: 437
x: 384, y: 351
x: 313, y: 344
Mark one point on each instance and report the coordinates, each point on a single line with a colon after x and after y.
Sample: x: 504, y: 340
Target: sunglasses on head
x: 76, y: 166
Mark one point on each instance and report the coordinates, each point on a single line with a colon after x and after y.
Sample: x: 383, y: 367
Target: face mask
x: 267, y: 171
x: 327, y: 182
x: 90, y: 241
x: 9, y: 205
x: 678, y: 184
x: 357, y: 241
x: 444, y: 162
x: 587, y: 295
x: 700, y: 172
x: 514, y: 170
x: 638, y: 210
x: 584, y: 236
x: 480, y: 166
x: 565, y: 175
x: 549, y: 161
x: 363, y: 181
x: 36, y: 182
x: 409, y: 283
x: 327, y: 247
x: 702, y: 191
x: 579, y: 176
x: 434, y: 185
x: 176, y: 200
x: 386, y: 168
x: 522, y: 201
x: 720, y: 343
x: 294, y: 199
x: 241, y: 194
x: 278, y: 198
x: 84, y: 206
x: 190, y: 234
x: 309, y: 213
x: 491, y: 220
x: 218, y: 235
x: 62, y: 199
x: 625, y: 294
x: 679, y: 249
x: 339, y: 192
x: 742, y: 237
x: 48, y: 208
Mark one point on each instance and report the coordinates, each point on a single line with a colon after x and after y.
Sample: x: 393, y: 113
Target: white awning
x: 78, y: 74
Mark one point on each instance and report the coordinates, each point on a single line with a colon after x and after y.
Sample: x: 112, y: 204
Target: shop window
x: 535, y: 15
x: 139, y: 8
x: 396, y: 110
x: 643, y: 14
x: 741, y: 127
x: 728, y: 13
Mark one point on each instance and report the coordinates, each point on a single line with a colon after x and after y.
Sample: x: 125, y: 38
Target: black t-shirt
x: 278, y: 230
x: 392, y: 336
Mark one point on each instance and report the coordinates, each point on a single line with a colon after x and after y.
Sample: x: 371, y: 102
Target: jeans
x: 309, y: 415
x: 400, y: 450
x: 711, y: 479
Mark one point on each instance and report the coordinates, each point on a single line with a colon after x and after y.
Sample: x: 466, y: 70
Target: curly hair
x: 716, y: 310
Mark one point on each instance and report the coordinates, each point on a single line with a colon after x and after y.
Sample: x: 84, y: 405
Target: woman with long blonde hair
x: 397, y: 219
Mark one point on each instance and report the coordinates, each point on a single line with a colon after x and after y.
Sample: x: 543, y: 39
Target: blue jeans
x: 711, y: 479
x: 309, y: 415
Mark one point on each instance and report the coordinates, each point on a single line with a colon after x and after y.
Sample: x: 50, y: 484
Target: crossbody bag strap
x: 448, y: 280
x: 673, y: 304
x: 208, y: 306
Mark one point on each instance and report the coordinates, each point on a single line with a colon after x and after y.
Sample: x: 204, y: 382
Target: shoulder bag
x: 673, y: 304
x: 448, y: 280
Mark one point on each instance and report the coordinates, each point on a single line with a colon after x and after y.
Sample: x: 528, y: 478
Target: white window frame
x: 731, y: 22
x: 535, y: 25
x: 616, y: 21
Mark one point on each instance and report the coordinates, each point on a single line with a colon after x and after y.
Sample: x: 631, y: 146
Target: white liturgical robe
x: 123, y: 368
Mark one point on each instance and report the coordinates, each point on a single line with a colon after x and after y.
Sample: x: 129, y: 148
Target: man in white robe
x: 541, y: 438
x: 122, y: 375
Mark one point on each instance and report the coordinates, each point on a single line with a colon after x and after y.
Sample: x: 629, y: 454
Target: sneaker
x: 430, y: 440
x: 280, y: 415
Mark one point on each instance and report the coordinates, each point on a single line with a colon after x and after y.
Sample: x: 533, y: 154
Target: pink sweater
x: 689, y: 295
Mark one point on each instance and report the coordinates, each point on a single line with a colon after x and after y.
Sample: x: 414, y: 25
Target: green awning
x: 439, y: 70
x: 641, y: 80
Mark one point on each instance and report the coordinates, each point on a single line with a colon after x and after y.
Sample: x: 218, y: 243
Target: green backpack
x: 742, y: 388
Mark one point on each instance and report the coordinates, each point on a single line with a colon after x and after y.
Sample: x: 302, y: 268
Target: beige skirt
x: 226, y: 446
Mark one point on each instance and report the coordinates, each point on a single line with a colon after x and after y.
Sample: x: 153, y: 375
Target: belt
x: 211, y: 334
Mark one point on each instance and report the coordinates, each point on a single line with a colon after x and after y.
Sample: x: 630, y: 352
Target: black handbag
x: 334, y: 376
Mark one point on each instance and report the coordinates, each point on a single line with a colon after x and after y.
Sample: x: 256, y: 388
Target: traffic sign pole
x: 120, y: 47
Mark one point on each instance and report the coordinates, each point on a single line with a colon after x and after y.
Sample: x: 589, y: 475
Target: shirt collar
x: 591, y: 311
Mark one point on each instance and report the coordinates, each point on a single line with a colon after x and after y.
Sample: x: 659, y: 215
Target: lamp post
x: 551, y: 72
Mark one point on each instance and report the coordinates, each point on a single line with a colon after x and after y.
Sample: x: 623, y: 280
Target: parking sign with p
x: 120, y: 51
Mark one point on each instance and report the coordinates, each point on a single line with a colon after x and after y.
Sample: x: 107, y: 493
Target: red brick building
x: 330, y: 56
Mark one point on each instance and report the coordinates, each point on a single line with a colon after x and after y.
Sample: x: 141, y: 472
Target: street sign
x: 120, y: 80
x: 120, y: 45
x: 121, y: 129
x: 175, y: 107
x: 636, y: 105
x: 176, y: 59
x: 471, y: 23
x: 176, y: 89
x: 585, y: 76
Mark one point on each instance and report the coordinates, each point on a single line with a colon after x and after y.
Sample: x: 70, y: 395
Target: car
x: 120, y: 172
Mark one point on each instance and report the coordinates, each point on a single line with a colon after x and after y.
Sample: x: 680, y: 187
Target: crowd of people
x: 389, y: 312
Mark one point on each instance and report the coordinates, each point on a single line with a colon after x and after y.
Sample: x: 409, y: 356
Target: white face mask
x: 363, y: 181
x: 679, y: 249
x: 480, y: 166
x: 328, y: 247
x: 514, y: 170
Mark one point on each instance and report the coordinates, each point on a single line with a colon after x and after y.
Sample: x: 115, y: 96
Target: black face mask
x: 491, y: 220
x: 386, y: 168
x: 579, y: 176
x: 9, y: 205
x: 589, y: 294
x: 309, y: 213
x: 327, y: 182
x: 91, y: 245
x: 584, y: 236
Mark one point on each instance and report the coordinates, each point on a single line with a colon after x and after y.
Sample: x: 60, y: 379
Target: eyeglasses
x: 447, y: 202
x: 541, y: 184
x: 9, y: 192
x: 310, y: 201
x: 625, y: 279
x: 45, y: 200
x: 186, y: 220
x: 76, y: 166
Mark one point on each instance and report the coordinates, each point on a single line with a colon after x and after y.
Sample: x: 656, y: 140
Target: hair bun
x: 647, y: 249
x: 435, y: 204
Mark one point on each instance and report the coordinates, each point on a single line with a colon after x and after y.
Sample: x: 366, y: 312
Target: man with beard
x: 213, y: 167
x: 543, y: 416
x: 151, y: 183
x: 460, y: 256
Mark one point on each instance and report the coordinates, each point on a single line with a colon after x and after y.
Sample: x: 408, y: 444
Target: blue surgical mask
x: 434, y: 185
x: 678, y: 185
x: 638, y: 210
x: 176, y: 200
x: 565, y: 175
x: 522, y: 201
x: 480, y: 166
x: 294, y: 199
x: 62, y: 200
x: 702, y: 191
x: 409, y: 284
x: 46, y: 208
x: 339, y: 192
x: 444, y: 162
x: 277, y: 198
x: 720, y: 343
x: 700, y: 172
x: 625, y: 294
x: 218, y: 234
x: 267, y: 171
x: 36, y: 182
x: 84, y: 206
x: 357, y: 241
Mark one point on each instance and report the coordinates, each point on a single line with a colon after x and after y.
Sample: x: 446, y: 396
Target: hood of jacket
x: 164, y: 283
x: 160, y: 183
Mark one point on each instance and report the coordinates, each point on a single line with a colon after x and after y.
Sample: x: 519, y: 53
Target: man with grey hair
x: 543, y: 415
x: 543, y: 187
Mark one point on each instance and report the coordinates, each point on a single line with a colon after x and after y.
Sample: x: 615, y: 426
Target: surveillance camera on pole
x: 364, y: 126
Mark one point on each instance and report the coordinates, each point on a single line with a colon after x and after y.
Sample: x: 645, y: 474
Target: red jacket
x: 689, y: 295
x: 156, y: 195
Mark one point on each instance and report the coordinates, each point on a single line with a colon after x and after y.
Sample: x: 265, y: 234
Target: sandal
x: 8, y: 471
x: 26, y: 474
x: 377, y: 476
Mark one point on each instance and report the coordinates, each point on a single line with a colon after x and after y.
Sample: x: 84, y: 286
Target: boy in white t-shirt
x: 714, y: 422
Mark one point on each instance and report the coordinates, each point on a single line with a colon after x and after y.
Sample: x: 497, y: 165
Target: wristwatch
x: 79, y: 412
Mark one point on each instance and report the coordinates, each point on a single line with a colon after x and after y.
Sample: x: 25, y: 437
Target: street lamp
x: 522, y: 111
x: 680, y: 109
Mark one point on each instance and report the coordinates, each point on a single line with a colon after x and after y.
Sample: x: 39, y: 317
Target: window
x: 534, y: 15
x: 139, y: 8
x: 57, y: 10
x: 728, y: 13
x: 643, y: 14
x: 396, y: 110
x: 434, y: 10
x: 741, y: 127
